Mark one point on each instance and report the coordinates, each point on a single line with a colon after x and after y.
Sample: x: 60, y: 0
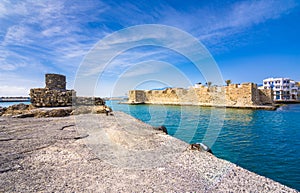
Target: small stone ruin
x: 55, y: 94
x: 55, y: 82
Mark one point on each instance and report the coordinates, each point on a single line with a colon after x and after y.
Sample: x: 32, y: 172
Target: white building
x: 285, y: 89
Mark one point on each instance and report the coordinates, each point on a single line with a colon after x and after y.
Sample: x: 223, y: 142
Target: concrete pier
x: 99, y: 153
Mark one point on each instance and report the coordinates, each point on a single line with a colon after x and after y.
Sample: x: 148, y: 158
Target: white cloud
x: 249, y: 13
x: 13, y: 91
x: 7, y: 8
x: 214, y: 24
x: 144, y: 68
x: 17, y: 35
x: 52, y: 31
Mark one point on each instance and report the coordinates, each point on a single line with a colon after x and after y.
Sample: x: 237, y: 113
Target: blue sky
x: 249, y: 40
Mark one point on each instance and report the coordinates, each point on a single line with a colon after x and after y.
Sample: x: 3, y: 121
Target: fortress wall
x: 168, y: 96
x: 246, y: 94
x: 266, y: 96
x: 137, y: 96
x: 240, y: 95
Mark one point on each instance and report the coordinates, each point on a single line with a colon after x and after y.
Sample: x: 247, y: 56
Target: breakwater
x: 52, y: 155
x: 265, y: 142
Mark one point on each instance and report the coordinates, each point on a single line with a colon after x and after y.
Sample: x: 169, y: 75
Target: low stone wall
x: 246, y: 94
x: 89, y: 101
x: 44, y: 97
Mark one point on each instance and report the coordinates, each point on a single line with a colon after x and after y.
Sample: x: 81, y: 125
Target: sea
x: 7, y: 104
x: 264, y: 142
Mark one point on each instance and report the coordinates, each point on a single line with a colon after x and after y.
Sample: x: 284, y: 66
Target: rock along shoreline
x: 99, y: 153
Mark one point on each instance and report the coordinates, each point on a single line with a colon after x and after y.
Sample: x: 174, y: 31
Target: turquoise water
x: 6, y: 104
x: 265, y: 142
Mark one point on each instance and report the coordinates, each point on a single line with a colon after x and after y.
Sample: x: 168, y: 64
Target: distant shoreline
x: 14, y: 99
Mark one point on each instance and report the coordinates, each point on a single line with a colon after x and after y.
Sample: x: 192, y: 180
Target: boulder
x: 58, y: 113
x: 17, y: 109
x: 89, y: 109
x: 25, y: 115
x: 81, y: 110
x: 161, y: 128
x: 2, y: 110
x: 20, y: 106
x: 89, y: 101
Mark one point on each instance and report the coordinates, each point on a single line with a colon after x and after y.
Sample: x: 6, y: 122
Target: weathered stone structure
x: 56, y: 95
x: 45, y: 97
x: 55, y: 82
x: 244, y: 95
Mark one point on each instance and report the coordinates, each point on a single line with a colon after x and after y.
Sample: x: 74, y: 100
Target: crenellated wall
x: 246, y: 94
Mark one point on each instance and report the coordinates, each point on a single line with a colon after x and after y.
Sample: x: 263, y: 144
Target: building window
x: 265, y: 82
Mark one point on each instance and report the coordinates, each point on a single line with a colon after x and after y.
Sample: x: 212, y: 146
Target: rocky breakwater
x: 23, y: 111
x: 50, y: 155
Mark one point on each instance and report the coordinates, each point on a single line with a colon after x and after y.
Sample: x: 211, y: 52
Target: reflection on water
x: 265, y: 142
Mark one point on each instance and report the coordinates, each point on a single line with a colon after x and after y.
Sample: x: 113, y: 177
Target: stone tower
x: 54, y: 94
x: 55, y: 82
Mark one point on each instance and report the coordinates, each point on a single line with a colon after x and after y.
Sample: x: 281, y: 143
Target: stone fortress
x: 55, y: 94
x: 246, y: 95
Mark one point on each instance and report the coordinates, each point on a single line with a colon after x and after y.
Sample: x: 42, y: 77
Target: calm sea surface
x: 6, y: 104
x: 265, y: 142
